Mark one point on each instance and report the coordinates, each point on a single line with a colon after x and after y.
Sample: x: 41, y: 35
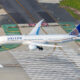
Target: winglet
x: 36, y: 29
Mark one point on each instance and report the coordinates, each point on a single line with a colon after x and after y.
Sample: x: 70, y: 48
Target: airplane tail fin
x: 36, y: 29
x: 76, y: 31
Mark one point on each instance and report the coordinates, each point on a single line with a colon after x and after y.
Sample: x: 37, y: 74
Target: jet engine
x: 40, y: 48
x: 33, y: 47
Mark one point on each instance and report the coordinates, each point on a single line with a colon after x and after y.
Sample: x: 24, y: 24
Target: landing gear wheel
x: 40, y: 48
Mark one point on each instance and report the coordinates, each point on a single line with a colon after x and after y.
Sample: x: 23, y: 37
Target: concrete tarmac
x: 11, y: 68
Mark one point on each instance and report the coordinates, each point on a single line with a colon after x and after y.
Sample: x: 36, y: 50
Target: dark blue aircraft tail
x: 76, y: 31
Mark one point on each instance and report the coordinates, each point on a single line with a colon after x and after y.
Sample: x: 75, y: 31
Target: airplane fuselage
x: 11, y: 39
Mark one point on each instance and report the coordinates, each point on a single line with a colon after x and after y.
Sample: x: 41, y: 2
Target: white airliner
x: 36, y: 41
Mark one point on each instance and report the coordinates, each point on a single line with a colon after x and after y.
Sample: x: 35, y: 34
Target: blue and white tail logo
x: 76, y: 31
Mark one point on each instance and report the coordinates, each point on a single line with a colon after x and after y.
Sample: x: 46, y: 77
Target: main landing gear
x: 40, y: 48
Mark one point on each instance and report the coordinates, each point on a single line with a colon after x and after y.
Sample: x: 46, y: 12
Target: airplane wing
x: 40, y: 44
x: 36, y: 29
x: 44, y: 45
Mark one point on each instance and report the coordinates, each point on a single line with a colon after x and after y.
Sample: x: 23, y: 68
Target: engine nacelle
x: 32, y: 47
x: 40, y: 48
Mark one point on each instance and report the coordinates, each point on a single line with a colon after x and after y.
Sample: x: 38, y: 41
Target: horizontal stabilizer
x: 76, y: 31
x: 40, y: 44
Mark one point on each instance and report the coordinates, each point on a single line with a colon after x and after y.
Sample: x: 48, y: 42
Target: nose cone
x: 2, y: 39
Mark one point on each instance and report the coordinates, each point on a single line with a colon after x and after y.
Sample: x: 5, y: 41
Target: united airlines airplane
x: 36, y: 41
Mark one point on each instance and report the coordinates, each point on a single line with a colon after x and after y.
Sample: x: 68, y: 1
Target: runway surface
x: 27, y: 11
x: 60, y: 14
x: 12, y: 7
